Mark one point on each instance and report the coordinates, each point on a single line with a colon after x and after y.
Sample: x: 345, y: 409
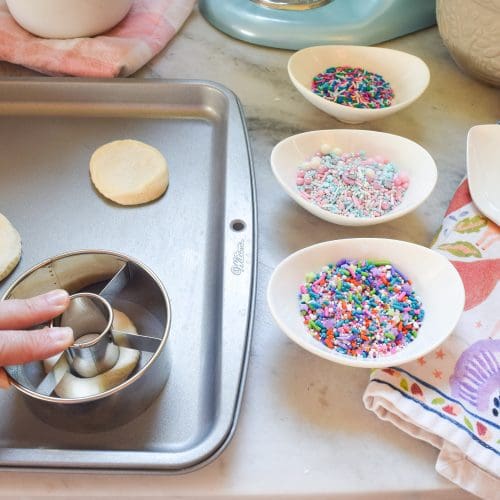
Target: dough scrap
x: 129, y: 172
x: 10, y: 247
x: 122, y: 322
x: 73, y: 387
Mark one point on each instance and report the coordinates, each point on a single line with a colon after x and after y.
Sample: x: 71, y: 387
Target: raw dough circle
x: 10, y: 247
x: 129, y: 172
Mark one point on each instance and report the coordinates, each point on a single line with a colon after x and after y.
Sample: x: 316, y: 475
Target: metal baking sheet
x: 199, y: 238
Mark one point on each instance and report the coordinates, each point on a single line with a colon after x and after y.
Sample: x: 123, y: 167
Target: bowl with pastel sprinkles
x: 354, y: 177
x: 357, y: 84
x: 366, y: 302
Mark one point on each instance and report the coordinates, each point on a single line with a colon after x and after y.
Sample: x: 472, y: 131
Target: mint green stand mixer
x: 295, y: 24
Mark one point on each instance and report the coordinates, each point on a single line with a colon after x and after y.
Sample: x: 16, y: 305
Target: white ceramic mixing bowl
x: 470, y: 29
x: 68, y: 18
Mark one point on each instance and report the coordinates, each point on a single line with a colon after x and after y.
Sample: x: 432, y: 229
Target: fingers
x: 17, y: 313
x: 18, y: 347
x: 4, y: 380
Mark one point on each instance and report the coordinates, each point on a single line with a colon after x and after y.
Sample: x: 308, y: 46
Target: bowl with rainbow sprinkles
x: 366, y: 302
x: 356, y: 84
x: 354, y: 177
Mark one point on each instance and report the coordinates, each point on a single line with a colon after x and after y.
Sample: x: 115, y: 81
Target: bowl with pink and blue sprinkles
x: 354, y: 177
x: 357, y: 84
x: 366, y: 302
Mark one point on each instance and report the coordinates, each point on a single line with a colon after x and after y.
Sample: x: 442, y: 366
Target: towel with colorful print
x: 451, y: 397
x: 147, y: 28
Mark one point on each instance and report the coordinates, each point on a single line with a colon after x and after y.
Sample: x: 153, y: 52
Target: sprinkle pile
x: 363, y: 309
x: 353, y: 87
x: 351, y: 184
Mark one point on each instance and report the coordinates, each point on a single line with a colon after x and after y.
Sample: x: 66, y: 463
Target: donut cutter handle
x: 91, y: 318
x: 92, y: 352
x: 96, y: 348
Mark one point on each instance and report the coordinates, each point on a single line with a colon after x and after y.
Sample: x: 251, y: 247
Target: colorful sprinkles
x: 353, y: 87
x: 351, y: 184
x: 361, y: 308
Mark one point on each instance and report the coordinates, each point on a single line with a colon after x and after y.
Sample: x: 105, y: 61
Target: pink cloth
x: 451, y: 397
x: 148, y: 27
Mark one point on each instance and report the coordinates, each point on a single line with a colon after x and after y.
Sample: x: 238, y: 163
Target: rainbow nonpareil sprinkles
x: 351, y: 184
x: 361, y: 308
x: 353, y: 87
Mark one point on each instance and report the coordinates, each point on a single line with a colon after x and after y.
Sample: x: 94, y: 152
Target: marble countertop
x: 303, y: 431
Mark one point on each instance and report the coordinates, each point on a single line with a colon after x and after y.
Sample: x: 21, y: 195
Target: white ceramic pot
x: 470, y: 29
x: 68, y: 18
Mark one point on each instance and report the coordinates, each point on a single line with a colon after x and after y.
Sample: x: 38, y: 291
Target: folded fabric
x: 148, y: 27
x: 451, y: 397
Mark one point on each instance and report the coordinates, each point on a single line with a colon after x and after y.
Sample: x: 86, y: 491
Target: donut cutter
x: 98, y: 282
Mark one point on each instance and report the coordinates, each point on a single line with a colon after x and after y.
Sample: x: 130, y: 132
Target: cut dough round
x: 129, y: 172
x: 72, y: 387
x: 10, y: 247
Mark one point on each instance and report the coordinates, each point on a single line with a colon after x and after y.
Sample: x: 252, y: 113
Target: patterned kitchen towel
x: 451, y: 397
x: 148, y: 27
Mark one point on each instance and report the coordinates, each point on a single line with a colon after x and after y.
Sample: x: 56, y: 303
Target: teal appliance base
x: 344, y: 22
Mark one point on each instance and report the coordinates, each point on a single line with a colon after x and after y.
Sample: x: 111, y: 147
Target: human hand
x: 18, y: 346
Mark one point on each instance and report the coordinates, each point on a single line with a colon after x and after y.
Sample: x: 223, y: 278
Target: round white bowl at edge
x: 68, y: 18
x: 408, y: 76
x: 483, y: 169
x: 407, y: 156
x: 434, y: 279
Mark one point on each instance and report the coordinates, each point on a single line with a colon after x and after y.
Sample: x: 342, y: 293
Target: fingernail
x: 57, y: 297
x: 62, y: 336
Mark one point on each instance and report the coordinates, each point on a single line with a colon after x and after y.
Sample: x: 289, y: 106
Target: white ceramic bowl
x: 483, y: 169
x: 470, y: 31
x: 68, y: 18
x: 434, y: 278
x: 407, y: 155
x: 407, y: 74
